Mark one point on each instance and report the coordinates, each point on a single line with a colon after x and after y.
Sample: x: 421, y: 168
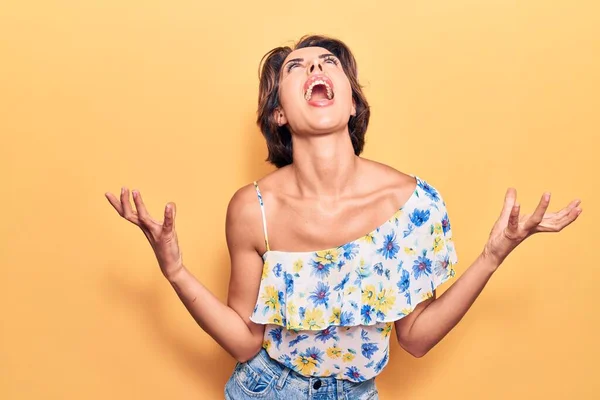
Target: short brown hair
x: 279, y: 139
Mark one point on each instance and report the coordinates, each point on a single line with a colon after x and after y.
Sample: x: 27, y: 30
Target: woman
x: 330, y: 250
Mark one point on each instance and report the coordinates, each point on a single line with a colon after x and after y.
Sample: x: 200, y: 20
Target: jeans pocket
x: 251, y: 383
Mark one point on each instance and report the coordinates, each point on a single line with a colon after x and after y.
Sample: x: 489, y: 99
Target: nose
x: 315, y: 67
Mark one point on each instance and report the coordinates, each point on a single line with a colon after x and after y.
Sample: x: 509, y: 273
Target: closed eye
x: 331, y: 60
x: 292, y: 65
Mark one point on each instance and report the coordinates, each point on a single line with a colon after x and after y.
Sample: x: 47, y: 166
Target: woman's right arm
x: 229, y: 324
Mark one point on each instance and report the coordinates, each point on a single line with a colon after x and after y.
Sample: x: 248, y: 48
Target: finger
x: 539, y: 212
x: 114, y: 202
x: 568, y: 220
x: 513, y: 219
x: 509, y: 201
x: 142, y: 212
x: 565, y: 211
x: 128, y: 213
x: 169, y: 224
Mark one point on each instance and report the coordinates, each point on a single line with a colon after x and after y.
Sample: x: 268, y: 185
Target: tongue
x: 319, y: 92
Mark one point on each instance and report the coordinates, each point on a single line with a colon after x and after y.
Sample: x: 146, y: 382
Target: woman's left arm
x: 432, y: 319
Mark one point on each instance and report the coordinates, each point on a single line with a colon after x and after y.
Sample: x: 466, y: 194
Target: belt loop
x: 282, y: 378
x: 340, y: 389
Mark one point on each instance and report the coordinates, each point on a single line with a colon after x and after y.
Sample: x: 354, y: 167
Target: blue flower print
x: 446, y: 224
x: 321, y: 270
x: 320, y: 295
x: 314, y: 353
x: 368, y: 349
x: 277, y: 270
x: 364, y: 335
x: 419, y: 217
x: 346, y: 318
x: 301, y: 312
x: 379, y: 366
x: 327, y: 334
x: 276, y: 335
x: 378, y: 268
x: 340, y: 286
x: 404, y: 282
x: 429, y: 190
x: 422, y: 266
x: 349, y: 250
x: 366, y: 311
x: 289, y: 283
x: 286, y: 360
x: 298, y: 339
x: 354, y: 374
x: 390, y: 247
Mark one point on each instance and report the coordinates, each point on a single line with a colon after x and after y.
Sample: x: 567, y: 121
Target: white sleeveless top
x: 330, y: 312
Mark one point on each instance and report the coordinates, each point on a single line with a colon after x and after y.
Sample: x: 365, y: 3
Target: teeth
x: 308, y: 94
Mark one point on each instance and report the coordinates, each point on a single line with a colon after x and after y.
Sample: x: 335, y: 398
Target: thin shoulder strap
x: 262, y: 210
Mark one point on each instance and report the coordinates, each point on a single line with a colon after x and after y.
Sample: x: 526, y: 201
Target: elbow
x: 247, y: 354
x: 414, y: 349
x: 418, y: 353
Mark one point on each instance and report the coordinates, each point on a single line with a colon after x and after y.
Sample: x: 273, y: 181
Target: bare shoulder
x: 244, y: 216
x: 243, y: 226
x: 385, y: 178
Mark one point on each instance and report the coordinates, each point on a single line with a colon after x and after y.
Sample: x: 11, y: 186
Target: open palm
x: 511, y: 228
x: 161, y: 235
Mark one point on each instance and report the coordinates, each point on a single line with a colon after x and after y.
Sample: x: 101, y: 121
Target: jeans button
x: 317, y: 384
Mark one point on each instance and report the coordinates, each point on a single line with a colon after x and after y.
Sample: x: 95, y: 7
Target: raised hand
x: 161, y: 235
x: 511, y: 228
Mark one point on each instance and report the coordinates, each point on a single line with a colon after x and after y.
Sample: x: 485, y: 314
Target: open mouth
x: 318, y: 87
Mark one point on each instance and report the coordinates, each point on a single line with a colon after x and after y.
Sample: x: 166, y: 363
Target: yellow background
x: 160, y: 96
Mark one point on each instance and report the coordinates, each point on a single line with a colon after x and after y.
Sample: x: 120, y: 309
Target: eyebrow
x: 302, y: 59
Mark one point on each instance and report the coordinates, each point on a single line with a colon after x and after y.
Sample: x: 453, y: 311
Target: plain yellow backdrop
x: 473, y: 96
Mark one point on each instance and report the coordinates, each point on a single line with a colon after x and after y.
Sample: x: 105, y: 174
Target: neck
x: 324, y: 165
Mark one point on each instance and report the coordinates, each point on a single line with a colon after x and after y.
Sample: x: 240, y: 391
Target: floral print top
x: 330, y: 312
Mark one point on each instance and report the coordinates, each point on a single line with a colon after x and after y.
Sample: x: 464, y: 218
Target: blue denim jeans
x: 265, y: 378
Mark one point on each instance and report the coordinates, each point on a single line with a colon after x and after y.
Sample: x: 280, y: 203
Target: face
x: 314, y: 92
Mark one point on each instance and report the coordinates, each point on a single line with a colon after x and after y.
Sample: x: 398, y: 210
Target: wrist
x: 490, y: 260
x: 175, y: 274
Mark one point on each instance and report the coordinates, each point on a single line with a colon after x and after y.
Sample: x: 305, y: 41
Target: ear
x: 353, y: 113
x: 280, y: 116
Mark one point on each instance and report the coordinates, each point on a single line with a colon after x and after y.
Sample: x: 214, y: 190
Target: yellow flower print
x: 438, y: 244
x: 335, y: 316
x: 334, y: 352
x: 275, y: 319
x: 266, y: 345
x: 369, y: 238
x: 291, y: 308
x: 369, y: 295
x: 351, y: 289
x: 265, y: 270
x: 385, y: 300
x: 406, y: 311
x: 426, y: 295
x: 410, y: 251
x: 396, y: 217
x: 386, y: 330
x: 327, y: 256
x: 298, y: 265
x: 313, y: 319
x: 348, y: 357
x: 271, y: 297
x: 327, y: 372
x: 306, y: 365
x: 437, y: 228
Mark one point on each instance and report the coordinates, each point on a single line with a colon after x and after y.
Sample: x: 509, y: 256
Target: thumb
x: 509, y: 202
x: 169, y: 224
